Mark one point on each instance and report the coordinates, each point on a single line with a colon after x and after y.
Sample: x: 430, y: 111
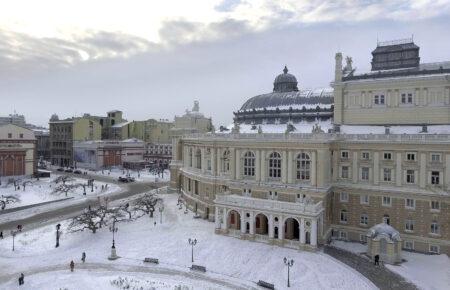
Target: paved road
x: 72, y: 209
x: 381, y: 276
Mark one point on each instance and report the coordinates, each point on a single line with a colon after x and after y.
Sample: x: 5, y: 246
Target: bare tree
x: 146, y: 204
x: 65, y: 188
x: 63, y: 179
x: 24, y: 184
x: 91, y: 219
x: 7, y: 199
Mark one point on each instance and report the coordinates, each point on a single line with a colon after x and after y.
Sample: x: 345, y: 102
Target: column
x: 242, y: 213
x: 252, y: 223
x: 447, y: 170
x: 313, y: 168
x: 280, y: 228
x: 335, y: 165
x: 355, y: 171
x: 290, y: 168
x: 233, y: 163
x: 270, y: 226
x: 302, y: 231
x: 216, y: 217
x: 218, y: 164
x: 238, y: 164
x: 398, y: 169
x: 263, y: 165
x: 422, y: 170
x: 376, y: 168
x: 257, y: 166
x: 314, y: 232
x: 213, y: 161
x: 284, y: 166
x: 225, y: 219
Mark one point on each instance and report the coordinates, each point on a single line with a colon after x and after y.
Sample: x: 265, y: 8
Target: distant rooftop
x: 395, y: 54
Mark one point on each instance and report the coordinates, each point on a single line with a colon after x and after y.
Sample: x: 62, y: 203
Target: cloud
x: 227, y: 5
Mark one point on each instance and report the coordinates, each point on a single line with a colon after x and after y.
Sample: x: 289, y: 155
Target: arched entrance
x: 261, y: 224
x: 234, y: 220
x: 291, y: 229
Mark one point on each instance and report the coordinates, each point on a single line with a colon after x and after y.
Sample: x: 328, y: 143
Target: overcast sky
x: 152, y: 59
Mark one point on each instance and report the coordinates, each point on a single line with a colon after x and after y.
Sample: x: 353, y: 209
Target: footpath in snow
x: 231, y: 263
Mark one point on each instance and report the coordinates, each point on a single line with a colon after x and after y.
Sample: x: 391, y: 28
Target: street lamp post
x: 288, y: 263
x: 161, y: 209
x: 192, y: 242
x: 58, y: 227
x: 13, y: 234
x: 113, y: 229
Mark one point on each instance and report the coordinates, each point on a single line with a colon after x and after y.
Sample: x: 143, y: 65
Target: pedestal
x: 113, y: 255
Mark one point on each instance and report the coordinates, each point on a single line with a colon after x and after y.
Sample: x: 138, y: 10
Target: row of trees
x: 93, y: 219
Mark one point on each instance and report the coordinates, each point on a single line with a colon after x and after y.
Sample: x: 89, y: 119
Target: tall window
x: 198, y: 159
x: 386, y: 201
x: 407, y: 98
x: 434, y: 228
x: 435, y: 177
x: 275, y: 165
x: 379, y: 100
x: 364, y: 219
x: 249, y: 164
x: 365, y: 173
x: 344, y: 172
x: 226, y: 161
x: 409, y: 225
x: 344, y: 217
x: 303, y: 166
x: 190, y: 157
x: 410, y: 176
x: 364, y: 199
x: 387, y: 174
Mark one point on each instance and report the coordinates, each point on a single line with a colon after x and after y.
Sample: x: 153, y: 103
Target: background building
x: 383, y: 156
x: 17, y: 151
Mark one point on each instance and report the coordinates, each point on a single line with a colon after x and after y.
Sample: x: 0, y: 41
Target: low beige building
x: 331, y: 175
x: 17, y: 151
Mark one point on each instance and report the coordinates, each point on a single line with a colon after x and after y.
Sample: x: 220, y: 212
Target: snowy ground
x: 231, y: 263
x: 431, y: 272
x: 42, y: 190
x: 143, y: 175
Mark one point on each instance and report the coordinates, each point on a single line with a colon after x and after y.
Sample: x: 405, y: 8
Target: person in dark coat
x: 377, y: 260
x: 72, y: 266
x: 21, y: 279
x: 83, y: 257
x: 1, y: 235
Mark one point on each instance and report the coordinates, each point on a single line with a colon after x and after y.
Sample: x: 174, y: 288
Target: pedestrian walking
x: 83, y: 257
x: 72, y: 266
x: 377, y: 260
x: 1, y: 235
x: 19, y: 228
x: 21, y: 279
x: 155, y: 224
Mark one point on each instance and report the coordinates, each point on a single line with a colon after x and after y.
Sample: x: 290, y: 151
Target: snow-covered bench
x: 151, y: 260
x: 198, y: 268
x: 265, y: 285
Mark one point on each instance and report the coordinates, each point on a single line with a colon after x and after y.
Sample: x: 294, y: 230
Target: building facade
x: 17, y: 151
x: 383, y: 157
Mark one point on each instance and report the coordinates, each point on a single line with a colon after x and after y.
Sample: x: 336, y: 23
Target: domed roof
x: 385, y: 230
x: 285, y: 82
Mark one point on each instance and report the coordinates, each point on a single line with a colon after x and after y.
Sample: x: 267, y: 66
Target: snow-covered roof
x: 120, y: 125
x: 301, y: 127
x: 383, y: 230
x: 405, y: 129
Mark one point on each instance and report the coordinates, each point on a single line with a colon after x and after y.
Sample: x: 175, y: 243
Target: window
x: 226, y: 161
x: 303, y: 166
x: 275, y: 165
x: 198, y: 159
x: 9, y: 135
x: 435, y: 205
x: 409, y: 245
x: 21, y: 136
x: 209, y: 164
x: 364, y: 199
x: 343, y: 216
x: 365, y: 155
x: 343, y: 197
x: 344, y: 154
x: 344, y: 172
x: 273, y: 195
x: 435, y: 177
x: 363, y: 238
x: 365, y: 173
x: 434, y: 228
x: 410, y: 174
x: 407, y: 98
x: 364, y: 220
x: 387, y: 174
x: 343, y: 235
x: 379, y: 99
x: 409, y: 225
x: 386, y: 219
x: 387, y: 156
x: 189, y: 185
x: 411, y: 156
x: 435, y: 157
x: 434, y: 249
x: 247, y: 192
x: 249, y: 164
x: 196, y: 187
x: 190, y: 157
x: 386, y: 201
x: 410, y: 203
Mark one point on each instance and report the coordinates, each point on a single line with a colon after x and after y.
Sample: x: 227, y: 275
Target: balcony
x: 269, y: 205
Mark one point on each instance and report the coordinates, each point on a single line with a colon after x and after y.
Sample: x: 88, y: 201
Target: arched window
x: 275, y: 165
x: 303, y: 166
x: 226, y: 161
x: 344, y: 217
x: 198, y: 159
x: 249, y: 164
x: 190, y: 157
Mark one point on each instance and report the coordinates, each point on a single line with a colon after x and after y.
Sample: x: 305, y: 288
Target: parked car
x: 123, y: 179
x: 60, y: 169
x: 77, y: 171
x: 130, y: 179
x: 69, y: 170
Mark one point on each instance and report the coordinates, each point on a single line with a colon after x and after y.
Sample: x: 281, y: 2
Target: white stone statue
x: 196, y: 107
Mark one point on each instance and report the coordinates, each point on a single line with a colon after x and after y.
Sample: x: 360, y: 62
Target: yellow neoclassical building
x: 301, y: 167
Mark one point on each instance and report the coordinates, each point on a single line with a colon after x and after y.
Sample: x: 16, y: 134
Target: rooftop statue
x: 196, y: 107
